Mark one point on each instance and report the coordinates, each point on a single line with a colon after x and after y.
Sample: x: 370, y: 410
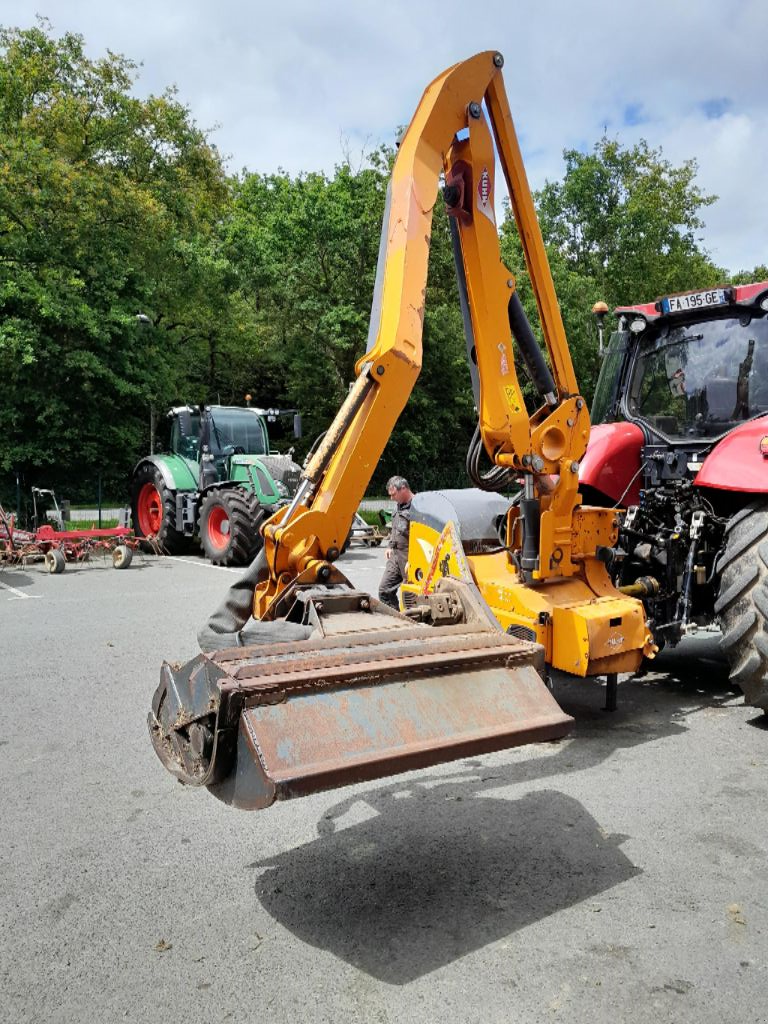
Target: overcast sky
x: 297, y: 84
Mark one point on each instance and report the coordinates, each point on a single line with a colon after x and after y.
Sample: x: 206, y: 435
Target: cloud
x: 293, y: 84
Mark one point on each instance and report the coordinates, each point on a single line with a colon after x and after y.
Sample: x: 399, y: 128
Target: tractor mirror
x: 297, y: 425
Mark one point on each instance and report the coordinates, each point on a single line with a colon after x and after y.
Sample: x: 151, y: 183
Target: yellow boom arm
x: 449, y: 135
x: 335, y: 688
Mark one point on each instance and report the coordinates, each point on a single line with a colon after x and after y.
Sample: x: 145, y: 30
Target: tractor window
x: 702, y: 379
x: 604, y: 402
x: 185, y: 435
x: 239, y: 428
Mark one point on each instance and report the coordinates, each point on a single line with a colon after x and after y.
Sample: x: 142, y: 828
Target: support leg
x: 611, y: 691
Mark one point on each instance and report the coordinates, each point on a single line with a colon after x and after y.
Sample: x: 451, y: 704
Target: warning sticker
x: 513, y: 398
x: 448, y: 559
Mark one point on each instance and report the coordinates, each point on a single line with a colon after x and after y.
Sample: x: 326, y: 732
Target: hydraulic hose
x: 529, y: 349
x: 499, y: 478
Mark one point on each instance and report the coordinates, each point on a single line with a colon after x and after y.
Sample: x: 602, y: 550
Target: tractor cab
x: 217, y: 431
x: 688, y: 368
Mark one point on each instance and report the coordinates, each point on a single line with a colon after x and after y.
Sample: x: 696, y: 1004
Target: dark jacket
x: 401, y: 525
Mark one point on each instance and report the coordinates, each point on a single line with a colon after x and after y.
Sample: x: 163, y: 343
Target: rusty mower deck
x: 369, y: 694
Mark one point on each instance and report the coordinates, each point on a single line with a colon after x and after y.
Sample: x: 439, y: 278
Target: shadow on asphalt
x: 438, y: 872
x: 439, y: 869
x: 16, y: 578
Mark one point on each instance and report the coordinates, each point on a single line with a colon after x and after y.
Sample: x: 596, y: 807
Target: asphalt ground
x: 619, y: 875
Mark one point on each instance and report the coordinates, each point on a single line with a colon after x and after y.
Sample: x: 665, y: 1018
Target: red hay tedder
x: 56, y: 547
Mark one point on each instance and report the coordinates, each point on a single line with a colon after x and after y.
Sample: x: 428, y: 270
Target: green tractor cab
x: 217, y: 480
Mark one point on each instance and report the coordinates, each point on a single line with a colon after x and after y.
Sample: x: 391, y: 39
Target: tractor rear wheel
x: 742, y: 604
x: 153, y: 506
x: 229, y: 526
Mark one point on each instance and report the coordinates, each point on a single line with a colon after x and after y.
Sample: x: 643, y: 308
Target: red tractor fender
x: 737, y: 463
x: 612, y: 460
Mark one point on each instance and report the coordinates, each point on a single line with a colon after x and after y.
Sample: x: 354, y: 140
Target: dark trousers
x: 394, y: 574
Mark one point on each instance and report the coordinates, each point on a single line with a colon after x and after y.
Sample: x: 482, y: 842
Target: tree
x: 304, y: 250
x: 760, y: 273
x: 106, y: 204
x: 622, y: 226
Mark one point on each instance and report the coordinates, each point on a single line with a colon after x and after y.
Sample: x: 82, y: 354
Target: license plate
x: 696, y: 300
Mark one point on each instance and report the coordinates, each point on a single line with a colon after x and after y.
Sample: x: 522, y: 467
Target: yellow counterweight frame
x: 585, y: 625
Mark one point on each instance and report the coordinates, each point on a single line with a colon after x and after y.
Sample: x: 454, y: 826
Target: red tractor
x: 680, y: 441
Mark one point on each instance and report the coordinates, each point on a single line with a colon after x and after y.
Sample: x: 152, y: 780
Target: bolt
x: 526, y: 460
x: 498, y: 60
x: 574, y: 467
x: 538, y: 463
x: 510, y: 282
x: 324, y: 572
x: 579, y: 404
x: 475, y: 110
x: 380, y: 371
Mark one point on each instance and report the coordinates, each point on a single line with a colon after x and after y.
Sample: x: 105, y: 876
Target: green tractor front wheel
x: 229, y: 527
x: 153, y: 506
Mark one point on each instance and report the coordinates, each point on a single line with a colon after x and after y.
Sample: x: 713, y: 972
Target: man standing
x: 397, y: 552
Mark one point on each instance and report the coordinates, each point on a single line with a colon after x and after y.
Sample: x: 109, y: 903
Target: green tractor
x: 216, y: 479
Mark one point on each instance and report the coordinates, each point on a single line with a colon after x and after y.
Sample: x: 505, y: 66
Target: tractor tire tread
x: 739, y: 585
x: 735, y: 636
x: 171, y: 540
x: 755, y: 530
x: 245, y: 517
x: 742, y: 603
x: 734, y: 521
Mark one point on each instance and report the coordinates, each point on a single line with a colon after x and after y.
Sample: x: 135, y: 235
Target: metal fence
x: 376, y: 504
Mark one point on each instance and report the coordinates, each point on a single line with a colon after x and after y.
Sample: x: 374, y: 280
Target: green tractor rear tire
x: 742, y: 604
x: 153, y: 506
x: 229, y: 526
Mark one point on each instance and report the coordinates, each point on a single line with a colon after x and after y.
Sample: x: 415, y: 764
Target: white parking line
x: 19, y: 595
x: 207, y: 565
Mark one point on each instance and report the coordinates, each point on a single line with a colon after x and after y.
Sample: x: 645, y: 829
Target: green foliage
x: 112, y: 206
x: 622, y: 227
x: 760, y: 273
x: 106, y: 203
x: 430, y: 442
x: 304, y: 251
